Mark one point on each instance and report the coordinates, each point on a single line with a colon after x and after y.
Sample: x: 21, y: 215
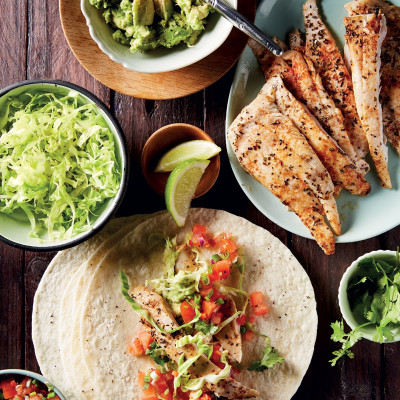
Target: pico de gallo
x: 203, y: 304
x: 24, y: 388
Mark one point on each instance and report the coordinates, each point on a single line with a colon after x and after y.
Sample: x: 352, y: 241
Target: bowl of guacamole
x: 153, y: 36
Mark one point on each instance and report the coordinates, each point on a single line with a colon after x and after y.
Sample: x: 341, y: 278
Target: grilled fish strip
x: 164, y: 318
x: 340, y: 167
x: 390, y: 68
x: 364, y: 37
x: 269, y: 147
x: 301, y: 78
x: 230, y: 337
x: 320, y: 47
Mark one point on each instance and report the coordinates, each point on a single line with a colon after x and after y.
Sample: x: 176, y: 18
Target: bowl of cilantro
x: 369, y: 300
x: 63, y: 165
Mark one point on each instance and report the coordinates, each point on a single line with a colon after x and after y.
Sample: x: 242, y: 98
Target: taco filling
x: 194, y: 320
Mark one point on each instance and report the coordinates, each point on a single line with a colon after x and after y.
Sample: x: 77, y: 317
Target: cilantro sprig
x: 270, y: 357
x: 157, y: 354
x: 374, y: 298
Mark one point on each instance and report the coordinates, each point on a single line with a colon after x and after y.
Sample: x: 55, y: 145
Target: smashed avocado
x: 147, y: 24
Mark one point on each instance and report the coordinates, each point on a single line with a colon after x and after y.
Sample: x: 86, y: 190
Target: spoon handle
x: 242, y: 23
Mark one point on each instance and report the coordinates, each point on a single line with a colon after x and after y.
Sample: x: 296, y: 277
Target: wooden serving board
x: 166, y: 85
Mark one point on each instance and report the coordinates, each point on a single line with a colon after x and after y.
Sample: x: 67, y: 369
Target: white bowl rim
x: 97, y: 227
x: 163, y: 67
x: 344, y: 302
x: 34, y: 375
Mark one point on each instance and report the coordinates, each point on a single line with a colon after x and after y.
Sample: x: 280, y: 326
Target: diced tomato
x: 162, y: 388
x: 151, y: 397
x: 146, y: 339
x: 248, y: 335
x: 261, y: 309
x: 136, y: 348
x: 8, y: 387
x: 141, y: 383
x: 182, y: 395
x: 217, y: 318
x: 216, y: 356
x: 215, y: 295
x: 207, y: 309
x: 187, y: 311
x: 227, y: 244
x: 168, y: 376
x: 221, y: 270
x: 252, y: 319
x: 241, y: 320
x: 199, y: 229
x: 205, y: 396
x: 257, y: 302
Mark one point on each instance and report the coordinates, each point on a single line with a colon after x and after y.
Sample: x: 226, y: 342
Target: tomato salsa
x: 25, y: 388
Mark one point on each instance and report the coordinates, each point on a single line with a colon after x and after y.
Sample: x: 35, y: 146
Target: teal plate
x: 362, y: 217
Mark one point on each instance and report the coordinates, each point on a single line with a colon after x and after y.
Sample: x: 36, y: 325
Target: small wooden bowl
x: 165, y: 139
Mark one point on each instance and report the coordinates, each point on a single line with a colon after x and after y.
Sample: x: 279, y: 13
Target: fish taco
x: 219, y: 308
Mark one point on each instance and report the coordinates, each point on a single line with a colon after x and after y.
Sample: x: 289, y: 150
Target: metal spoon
x: 242, y: 23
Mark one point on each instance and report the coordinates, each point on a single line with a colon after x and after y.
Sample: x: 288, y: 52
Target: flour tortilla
x: 48, y: 317
x: 108, y: 323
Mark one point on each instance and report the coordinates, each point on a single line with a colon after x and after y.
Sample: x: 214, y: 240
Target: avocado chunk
x: 143, y: 12
x: 164, y: 8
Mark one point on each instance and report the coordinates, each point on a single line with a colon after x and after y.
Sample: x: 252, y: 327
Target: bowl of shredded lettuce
x: 63, y: 165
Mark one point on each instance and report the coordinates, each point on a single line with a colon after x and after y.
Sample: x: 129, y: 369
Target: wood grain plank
x: 13, y: 33
x: 391, y: 352
x: 350, y: 379
x: 49, y: 56
x: 139, y: 119
x: 11, y: 307
x: 36, y: 264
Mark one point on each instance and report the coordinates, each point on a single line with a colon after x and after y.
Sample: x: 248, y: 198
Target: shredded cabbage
x: 57, y: 162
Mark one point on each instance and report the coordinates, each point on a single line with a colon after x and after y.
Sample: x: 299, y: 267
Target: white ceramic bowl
x: 15, y: 230
x: 368, y: 331
x: 160, y: 59
x: 8, y: 373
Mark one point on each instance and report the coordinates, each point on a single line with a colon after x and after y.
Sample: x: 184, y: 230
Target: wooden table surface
x: 33, y: 46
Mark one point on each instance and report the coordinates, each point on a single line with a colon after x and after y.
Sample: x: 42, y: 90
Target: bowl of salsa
x: 18, y: 384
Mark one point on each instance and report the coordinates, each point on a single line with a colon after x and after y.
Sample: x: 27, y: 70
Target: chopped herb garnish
x: 220, y: 301
x: 270, y: 358
x: 208, y: 297
x: 157, y: 354
x: 216, y: 257
x: 225, y: 255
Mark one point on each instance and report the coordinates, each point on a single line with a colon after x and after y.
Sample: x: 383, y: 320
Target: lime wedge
x: 181, y: 187
x: 198, y: 149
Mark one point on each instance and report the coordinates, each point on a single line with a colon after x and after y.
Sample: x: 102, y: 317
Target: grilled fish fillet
x: 340, y: 167
x: 162, y: 315
x: 271, y: 149
x: 301, y: 78
x: 390, y: 68
x: 296, y: 41
x: 230, y: 337
x: 320, y: 47
x: 364, y: 37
